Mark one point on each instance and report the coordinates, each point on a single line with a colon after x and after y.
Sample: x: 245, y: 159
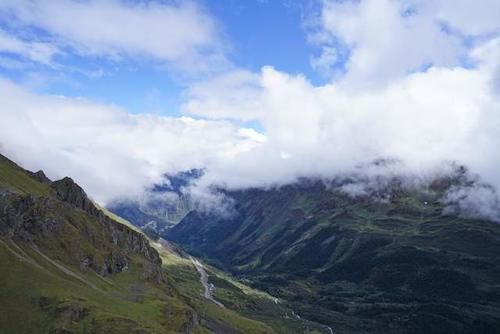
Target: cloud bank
x: 109, y: 151
x: 417, y: 81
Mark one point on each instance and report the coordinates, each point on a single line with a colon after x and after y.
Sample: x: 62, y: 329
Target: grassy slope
x: 36, y: 299
x: 37, y: 296
x: 17, y: 180
x: 241, y: 302
x: 119, y: 219
x: 181, y: 271
x: 358, y: 265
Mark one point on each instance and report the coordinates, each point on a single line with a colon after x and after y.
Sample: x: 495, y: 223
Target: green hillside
x: 358, y: 264
x: 301, y: 258
x: 67, y: 267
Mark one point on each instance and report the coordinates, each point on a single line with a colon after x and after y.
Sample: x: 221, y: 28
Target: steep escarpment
x: 125, y: 242
x: 85, y: 236
x: 89, y: 242
x: 67, y: 267
x: 397, y: 262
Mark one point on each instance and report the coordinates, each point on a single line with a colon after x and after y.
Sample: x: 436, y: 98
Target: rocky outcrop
x: 192, y: 323
x: 41, y: 177
x: 20, y: 217
x: 126, y: 239
x: 134, y: 243
x: 68, y: 191
x: 76, y: 232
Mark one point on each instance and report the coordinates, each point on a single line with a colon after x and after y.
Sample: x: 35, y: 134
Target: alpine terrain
x: 393, y: 260
x: 69, y: 266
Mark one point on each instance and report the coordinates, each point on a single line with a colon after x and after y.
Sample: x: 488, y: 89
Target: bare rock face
x: 127, y: 240
x: 41, y: 177
x: 68, y: 191
x: 74, y: 231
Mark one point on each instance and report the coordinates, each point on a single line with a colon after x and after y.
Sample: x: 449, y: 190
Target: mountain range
x: 161, y: 206
x: 393, y: 260
x: 69, y: 266
x: 307, y: 257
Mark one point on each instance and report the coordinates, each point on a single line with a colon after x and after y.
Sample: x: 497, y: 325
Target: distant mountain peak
x: 176, y: 182
x: 162, y: 205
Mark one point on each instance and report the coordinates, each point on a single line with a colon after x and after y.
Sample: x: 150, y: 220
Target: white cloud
x: 386, y: 39
x: 182, y: 34
x: 326, y: 60
x: 470, y: 17
x: 423, y: 119
x: 385, y: 106
x: 107, y: 150
x: 233, y: 95
x: 252, y: 134
x: 38, y: 52
x: 10, y: 63
x: 477, y: 201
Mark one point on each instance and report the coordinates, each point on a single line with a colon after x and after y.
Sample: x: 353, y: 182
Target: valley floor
x: 208, y: 287
x: 219, y: 298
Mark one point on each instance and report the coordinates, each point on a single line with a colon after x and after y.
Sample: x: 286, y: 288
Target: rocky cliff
x: 67, y: 226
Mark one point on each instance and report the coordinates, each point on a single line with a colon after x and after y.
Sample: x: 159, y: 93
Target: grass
x: 247, y: 309
x: 17, y: 180
x: 182, y: 271
x: 126, y: 303
x: 119, y: 219
x: 37, y: 296
x: 44, y: 291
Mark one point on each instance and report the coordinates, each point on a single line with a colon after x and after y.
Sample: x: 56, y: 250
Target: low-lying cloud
x: 425, y: 91
x: 109, y: 151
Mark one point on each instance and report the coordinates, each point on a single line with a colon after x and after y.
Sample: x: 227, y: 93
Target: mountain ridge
x: 52, y: 232
x: 347, y: 257
x: 70, y: 267
x: 161, y: 206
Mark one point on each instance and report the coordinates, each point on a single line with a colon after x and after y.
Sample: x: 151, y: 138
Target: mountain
x: 302, y: 258
x: 161, y: 207
x: 65, y: 265
x: 393, y: 260
x: 68, y: 266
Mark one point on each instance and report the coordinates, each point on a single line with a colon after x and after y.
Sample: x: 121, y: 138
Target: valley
x: 357, y: 264
x: 208, y: 287
x: 303, y: 258
x: 69, y: 266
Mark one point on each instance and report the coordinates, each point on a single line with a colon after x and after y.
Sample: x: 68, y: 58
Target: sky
x: 115, y: 93
x: 247, y: 34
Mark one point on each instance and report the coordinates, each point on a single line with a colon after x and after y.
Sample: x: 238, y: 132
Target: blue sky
x: 295, y: 37
x: 267, y: 33
x: 255, y: 33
